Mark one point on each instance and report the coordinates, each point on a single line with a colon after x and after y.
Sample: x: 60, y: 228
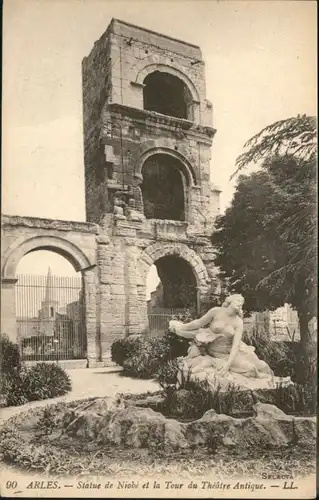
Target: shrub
x: 167, y: 374
x: 296, y: 399
x: 10, y: 359
x: 46, y: 380
x: 120, y: 351
x: 144, y: 356
x: 192, y: 398
x: 276, y: 354
x: 13, y: 388
x: 41, y: 381
x: 178, y: 346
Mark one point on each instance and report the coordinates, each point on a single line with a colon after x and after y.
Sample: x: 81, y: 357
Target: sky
x: 260, y: 67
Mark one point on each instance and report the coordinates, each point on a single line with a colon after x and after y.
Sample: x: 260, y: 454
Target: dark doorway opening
x: 163, y: 188
x: 167, y: 94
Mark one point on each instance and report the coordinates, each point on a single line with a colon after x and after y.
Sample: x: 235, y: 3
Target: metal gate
x: 50, y: 315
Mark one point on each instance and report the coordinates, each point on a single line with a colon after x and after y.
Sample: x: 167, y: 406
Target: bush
x: 192, y: 398
x: 10, y: 359
x: 46, y: 380
x: 296, y: 399
x: 120, y: 350
x: 142, y: 356
x: 41, y: 381
x: 276, y: 354
x: 13, y: 387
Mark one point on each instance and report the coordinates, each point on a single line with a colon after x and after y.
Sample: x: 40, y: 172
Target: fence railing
x: 159, y: 319
x: 59, y: 339
x: 50, y: 315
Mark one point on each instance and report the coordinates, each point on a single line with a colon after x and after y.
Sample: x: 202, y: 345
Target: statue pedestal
x: 242, y: 383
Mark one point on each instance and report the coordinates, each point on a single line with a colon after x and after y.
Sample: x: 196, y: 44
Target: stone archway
x: 22, y: 246
x: 81, y: 262
x: 157, y: 251
x: 150, y: 67
x: 150, y: 148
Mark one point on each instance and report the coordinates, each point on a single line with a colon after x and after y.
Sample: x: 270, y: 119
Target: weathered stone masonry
x: 132, y: 132
x: 120, y: 136
x: 76, y: 241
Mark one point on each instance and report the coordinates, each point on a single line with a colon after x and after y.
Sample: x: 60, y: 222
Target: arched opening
x: 163, y: 188
x: 168, y: 95
x: 50, y: 307
x: 171, y: 289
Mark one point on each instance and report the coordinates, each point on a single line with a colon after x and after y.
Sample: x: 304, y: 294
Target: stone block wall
x: 136, y: 51
x: 123, y: 262
x: 96, y: 89
x: 120, y: 134
x: 76, y: 241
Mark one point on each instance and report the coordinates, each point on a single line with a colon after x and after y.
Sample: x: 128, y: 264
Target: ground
x: 126, y: 462
x: 86, y: 383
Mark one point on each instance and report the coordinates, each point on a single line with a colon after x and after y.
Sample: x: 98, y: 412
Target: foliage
x: 192, y: 398
x: 266, y: 240
x: 296, y: 136
x: 120, y: 350
x: 185, y: 316
x: 276, y: 354
x: 296, y: 399
x: 46, y: 380
x: 41, y: 381
x: 142, y: 356
x: 47, y: 455
x: 304, y: 375
x: 14, y: 389
x: 167, y: 374
x: 10, y: 359
x: 46, y: 423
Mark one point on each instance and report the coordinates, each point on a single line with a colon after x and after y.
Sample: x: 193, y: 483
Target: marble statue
x: 217, y: 350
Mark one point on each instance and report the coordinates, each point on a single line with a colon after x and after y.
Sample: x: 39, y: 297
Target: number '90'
x: 11, y: 485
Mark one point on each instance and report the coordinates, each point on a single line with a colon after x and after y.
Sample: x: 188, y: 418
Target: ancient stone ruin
x: 149, y: 194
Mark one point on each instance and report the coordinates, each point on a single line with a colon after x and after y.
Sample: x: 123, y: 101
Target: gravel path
x: 88, y: 382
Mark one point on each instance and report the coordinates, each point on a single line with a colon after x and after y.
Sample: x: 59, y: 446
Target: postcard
x: 158, y: 258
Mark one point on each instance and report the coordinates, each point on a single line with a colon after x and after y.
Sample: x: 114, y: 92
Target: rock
x: 208, y: 430
x: 174, y: 435
x: 305, y: 431
x: 83, y: 421
x: 142, y: 427
x: 264, y: 410
x: 265, y: 433
x: 154, y: 402
x: 84, y: 425
x: 209, y: 415
x: 241, y: 382
x: 217, y: 430
x: 107, y: 421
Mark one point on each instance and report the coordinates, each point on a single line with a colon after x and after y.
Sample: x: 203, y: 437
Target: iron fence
x: 159, y: 319
x: 50, y: 315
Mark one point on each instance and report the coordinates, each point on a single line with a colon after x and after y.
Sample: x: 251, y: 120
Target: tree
x: 266, y: 240
x: 296, y: 137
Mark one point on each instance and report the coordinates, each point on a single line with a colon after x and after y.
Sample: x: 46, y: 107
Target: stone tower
x: 147, y: 144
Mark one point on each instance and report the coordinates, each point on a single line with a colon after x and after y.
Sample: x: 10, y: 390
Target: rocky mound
x: 106, y: 421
